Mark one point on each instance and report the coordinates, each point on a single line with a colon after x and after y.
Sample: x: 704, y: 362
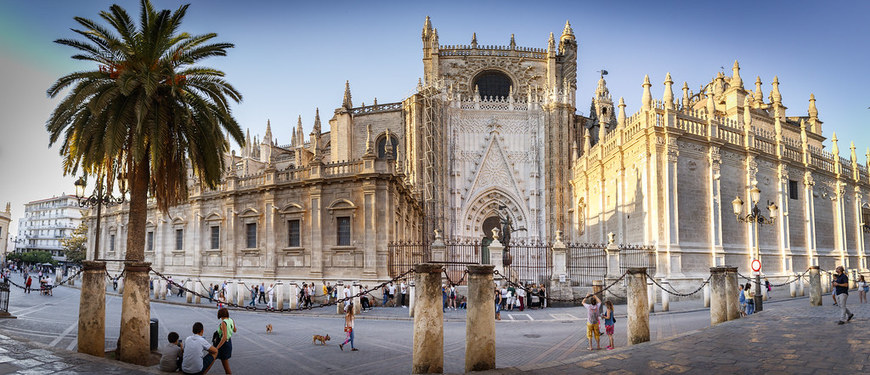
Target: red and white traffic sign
x: 756, y: 265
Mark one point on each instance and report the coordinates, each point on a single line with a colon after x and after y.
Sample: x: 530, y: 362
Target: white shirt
x: 392, y: 289
x: 347, y: 292
x: 403, y: 288
x: 195, y: 349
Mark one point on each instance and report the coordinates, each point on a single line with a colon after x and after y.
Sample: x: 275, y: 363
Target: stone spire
x: 620, y: 120
x: 719, y: 84
x: 476, y: 94
x: 300, y: 137
x: 775, y: 96
x: 685, y: 95
x: 551, y: 44
x: 427, y: 27
x: 601, y: 91
x: 575, y: 151
x: 747, y: 113
x: 834, y: 148
x: 587, y: 142
x: 602, y: 130
x: 347, y: 103
x: 758, y: 96
x: 316, y: 129
x: 8, y: 208
x: 513, y: 43
x: 813, y: 112
x: 852, y: 154
x: 375, y: 102
x: 668, y: 97
x: 567, y: 32
x: 267, y: 138
x: 370, y: 146
x: 248, y: 144
x: 736, y: 81
x: 473, y: 40
x: 803, y: 132
x: 293, y: 138
x: 711, y: 105
x: 388, y: 147
x: 646, y: 99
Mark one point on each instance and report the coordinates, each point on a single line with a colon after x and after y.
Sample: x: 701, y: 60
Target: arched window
x: 493, y: 83
x: 382, y: 146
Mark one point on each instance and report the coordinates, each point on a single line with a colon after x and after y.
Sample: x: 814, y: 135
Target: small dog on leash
x: 268, y: 328
x: 322, y: 339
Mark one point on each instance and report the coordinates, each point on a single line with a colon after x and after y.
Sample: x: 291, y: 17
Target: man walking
x: 841, y: 285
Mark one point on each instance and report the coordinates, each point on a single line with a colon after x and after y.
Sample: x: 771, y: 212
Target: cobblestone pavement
x: 527, y: 340
x: 787, y: 338
x: 22, y: 356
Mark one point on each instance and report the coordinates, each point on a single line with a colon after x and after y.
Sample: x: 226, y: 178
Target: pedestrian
x: 497, y: 304
x: 504, y: 296
x: 521, y: 296
x: 443, y: 298
x: 841, y: 285
x: 386, y: 293
x: 364, y: 299
x: 27, y: 285
x: 543, y: 293
x: 348, y: 328
x: 262, y: 292
x: 225, y: 346
x: 512, y: 297
x: 767, y: 286
x: 392, y: 294
x: 609, y: 321
x: 115, y: 284
x: 741, y: 297
x: 199, y: 354
x: 170, y: 354
x: 254, y: 292
x: 749, y: 295
x: 592, y: 304
x: 862, y: 289
x: 403, y: 289
x: 347, y: 294
x: 451, y: 297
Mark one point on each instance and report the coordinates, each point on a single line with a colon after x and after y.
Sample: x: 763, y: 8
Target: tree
x: 75, y: 247
x: 146, y: 111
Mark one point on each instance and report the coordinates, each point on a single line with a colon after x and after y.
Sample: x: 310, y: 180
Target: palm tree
x: 147, y: 111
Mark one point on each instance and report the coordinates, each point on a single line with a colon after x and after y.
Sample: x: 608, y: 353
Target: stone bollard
x: 187, y: 284
x: 718, y: 296
x: 666, y: 300
x: 241, y: 293
x: 597, y: 286
x: 815, y: 286
x: 199, y: 289
x: 92, y: 309
x: 801, y: 287
x: 339, y: 307
x: 412, y: 295
x: 792, y: 288
x: 354, y: 290
x: 732, y: 302
x: 135, y: 315
x: 155, y: 283
x: 293, y: 290
x: 480, y: 320
x: 121, y: 285
x: 825, y: 283
x: 638, y: 310
x: 853, y: 279
x: 164, y: 289
x: 707, y: 295
x: 428, y: 349
x: 651, y: 293
x: 279, y: 296
x: 765, y: 294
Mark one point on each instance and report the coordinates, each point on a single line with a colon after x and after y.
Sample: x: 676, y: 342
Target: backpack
x: 216, y: 338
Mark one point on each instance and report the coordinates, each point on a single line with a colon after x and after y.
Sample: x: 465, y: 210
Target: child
x: 171, y: 354
x: 741, y: 297
x: 862, y: 289
x: 608, y: 322
x: 592, y: 319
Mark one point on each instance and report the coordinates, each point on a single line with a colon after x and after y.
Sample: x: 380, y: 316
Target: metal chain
x: 342, y: 300
x: 47, y: 287
x: 752, y: 280
x: 674, y: 291
x: 464, y: 274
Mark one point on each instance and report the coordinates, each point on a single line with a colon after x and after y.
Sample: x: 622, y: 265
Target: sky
x: 291, y: 57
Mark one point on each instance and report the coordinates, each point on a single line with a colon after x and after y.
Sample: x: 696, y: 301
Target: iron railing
x: 586, y: 262
x: 530, y: 262
x: 637, y: 256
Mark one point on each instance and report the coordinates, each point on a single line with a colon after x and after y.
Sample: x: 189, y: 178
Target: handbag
x: 216, y: 338
x: 348, y: 329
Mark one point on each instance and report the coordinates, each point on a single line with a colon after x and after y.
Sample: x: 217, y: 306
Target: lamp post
x: 754, y: 216
x: 98, y: 199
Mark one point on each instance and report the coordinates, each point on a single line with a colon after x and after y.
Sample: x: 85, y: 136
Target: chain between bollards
x: 495, y: 272
x: 678, y: 294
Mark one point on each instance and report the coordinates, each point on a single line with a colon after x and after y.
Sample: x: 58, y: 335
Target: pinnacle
x: 646, y: 80
x: 621, y: 102
x: 736, y: 64
x: 568, y: 30
x: 668, y: 79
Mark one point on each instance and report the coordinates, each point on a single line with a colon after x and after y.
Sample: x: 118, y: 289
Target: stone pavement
x: 22, y: 356
x: 787, y: 338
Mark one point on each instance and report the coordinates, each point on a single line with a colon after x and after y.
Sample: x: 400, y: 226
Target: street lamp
x: 98, y: 199
x: 754, y: 216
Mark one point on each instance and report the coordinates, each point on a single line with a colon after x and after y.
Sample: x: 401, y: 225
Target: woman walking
x: 862, y: 289
x: 348, y: 328
x: 225, y: 346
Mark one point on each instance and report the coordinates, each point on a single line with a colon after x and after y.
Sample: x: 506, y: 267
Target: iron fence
x: 461, y: 253
x: 530, y: 262
x: 586, y: 262
x: 405, y: 255
x: 637, y: 256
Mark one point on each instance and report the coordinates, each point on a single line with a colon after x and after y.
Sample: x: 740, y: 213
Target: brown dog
x: 268, y: 328
x: 322, y: 339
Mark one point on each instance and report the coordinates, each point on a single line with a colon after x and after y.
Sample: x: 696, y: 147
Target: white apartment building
x: 46, y: 222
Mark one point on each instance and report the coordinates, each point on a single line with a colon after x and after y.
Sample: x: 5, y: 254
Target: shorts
x: 226, y: 350
x: 866, y: 289
x: 592, y: 330
x: 608, y: 329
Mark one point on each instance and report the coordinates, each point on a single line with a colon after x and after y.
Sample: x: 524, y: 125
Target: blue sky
x: 291, y: 57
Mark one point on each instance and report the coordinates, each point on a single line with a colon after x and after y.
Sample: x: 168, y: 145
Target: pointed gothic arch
x: 486, y: 204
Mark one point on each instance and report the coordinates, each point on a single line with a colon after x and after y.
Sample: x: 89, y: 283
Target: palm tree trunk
x: 133, y: 345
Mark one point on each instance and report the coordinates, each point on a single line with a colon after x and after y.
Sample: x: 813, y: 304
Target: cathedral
x: 493, y: 134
